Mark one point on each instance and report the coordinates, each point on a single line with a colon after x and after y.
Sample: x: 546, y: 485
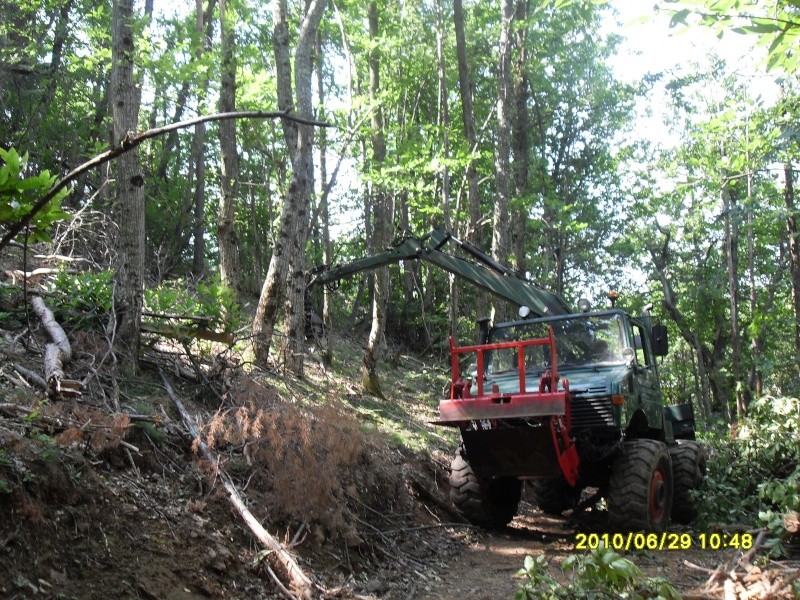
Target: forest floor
x: 104, y: 496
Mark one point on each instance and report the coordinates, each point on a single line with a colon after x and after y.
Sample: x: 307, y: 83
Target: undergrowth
x: 754, y: 471
x: 602, y: 573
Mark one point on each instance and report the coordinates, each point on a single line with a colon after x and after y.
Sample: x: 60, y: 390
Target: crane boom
x: 486, y: 273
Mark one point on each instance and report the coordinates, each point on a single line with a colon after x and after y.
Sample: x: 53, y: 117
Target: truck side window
x: 639, y: 343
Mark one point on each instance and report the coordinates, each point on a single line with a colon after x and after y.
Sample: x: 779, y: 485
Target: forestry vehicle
x: 568, y: 400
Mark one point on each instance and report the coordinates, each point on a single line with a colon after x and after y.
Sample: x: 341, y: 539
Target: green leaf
x: 679, y: 18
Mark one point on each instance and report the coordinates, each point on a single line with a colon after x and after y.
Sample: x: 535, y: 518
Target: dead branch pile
x: 739, y: 579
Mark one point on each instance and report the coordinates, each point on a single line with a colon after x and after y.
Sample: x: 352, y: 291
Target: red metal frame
x: 548, y: 401
x: 520, y: 345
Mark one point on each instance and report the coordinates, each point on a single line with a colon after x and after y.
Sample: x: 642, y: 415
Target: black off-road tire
x: 488, y: 503
x: 688, y: 470
x: 640, y: 487
x: 553, y: 496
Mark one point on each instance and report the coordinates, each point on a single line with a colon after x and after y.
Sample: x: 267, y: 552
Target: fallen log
x: 299, y: 582
x: 56, y: 354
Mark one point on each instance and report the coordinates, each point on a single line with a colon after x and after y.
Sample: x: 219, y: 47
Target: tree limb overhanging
x: 131, y: 141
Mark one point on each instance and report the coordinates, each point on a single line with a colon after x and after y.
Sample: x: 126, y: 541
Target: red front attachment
x: 547, y: 401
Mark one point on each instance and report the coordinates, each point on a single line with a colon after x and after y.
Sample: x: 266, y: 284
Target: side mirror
x: 659, y: 340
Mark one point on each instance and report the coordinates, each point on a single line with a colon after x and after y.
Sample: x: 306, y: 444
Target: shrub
x: 84, y: 297
x: 18, y: 195
x: 602, y: 573
x: 753, y: 474
x: 211, y: 299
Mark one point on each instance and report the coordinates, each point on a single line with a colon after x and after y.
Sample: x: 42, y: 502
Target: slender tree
x: 471, y: 227
x: 130, y: 203
x: 286, y: 269
x: 229, y: 163
x: 380, y: 212
x: 501, y: 217
x: 520, y: 140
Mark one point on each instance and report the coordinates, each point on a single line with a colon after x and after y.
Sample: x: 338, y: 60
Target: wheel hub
x: 658, y: 495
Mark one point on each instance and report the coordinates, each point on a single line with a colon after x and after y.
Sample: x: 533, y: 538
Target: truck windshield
x: 590, y: 339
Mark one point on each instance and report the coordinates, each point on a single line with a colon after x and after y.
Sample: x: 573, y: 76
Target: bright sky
x: 651, y: 46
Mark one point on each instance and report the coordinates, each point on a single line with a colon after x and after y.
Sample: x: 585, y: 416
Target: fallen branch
x: 422, y: 492
x: 57, y: 354
x: 183, y: 331
x: 30, y: 376
x: 298, y: 580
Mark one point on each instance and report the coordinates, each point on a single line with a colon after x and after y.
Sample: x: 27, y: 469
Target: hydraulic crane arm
x: 486, y: 273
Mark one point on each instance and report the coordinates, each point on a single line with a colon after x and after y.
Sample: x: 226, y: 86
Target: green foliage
x: 211, y: 299
x: 602, y: 573
x: 773, y: 24
x: 5, y: 462
x: 754, y: 477
x: 84, y: 297
x: 46, y: 448
x: 538, y: 582
x: 19, y: 193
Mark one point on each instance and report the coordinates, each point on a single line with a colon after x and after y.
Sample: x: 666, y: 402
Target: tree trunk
x: 660, y: 259
x: 229, y: 163
x: 501, y: 219
x: 520, y: 142
x: 794, y: 252
x: 271, y: 291
x: 325, y: 217
x: 471, y: 233
x: 731, y: 209
x: 198, y: 145
x: 380, y: 222
x: 286, y: 268
x: 130, y: 204
x: 444, y: 124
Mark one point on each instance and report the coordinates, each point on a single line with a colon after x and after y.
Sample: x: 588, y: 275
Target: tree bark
x: 660, y: 259
x: 130, y: 203
x: 444, y: 124
x: 286, y: 269
x: 380, y: 221
x: 501, y: 220
x: 520, y: 142
x: 794, y: 252
x: 56, y: 355
x: 731, y: 209
x: 229, y: 163
x: 471, y: 230
x: 325, y: 217
x: 198, y: 144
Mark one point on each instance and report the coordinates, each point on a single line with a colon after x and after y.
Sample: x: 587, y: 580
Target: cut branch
x: 56, y: 354
x: 131, y: 141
